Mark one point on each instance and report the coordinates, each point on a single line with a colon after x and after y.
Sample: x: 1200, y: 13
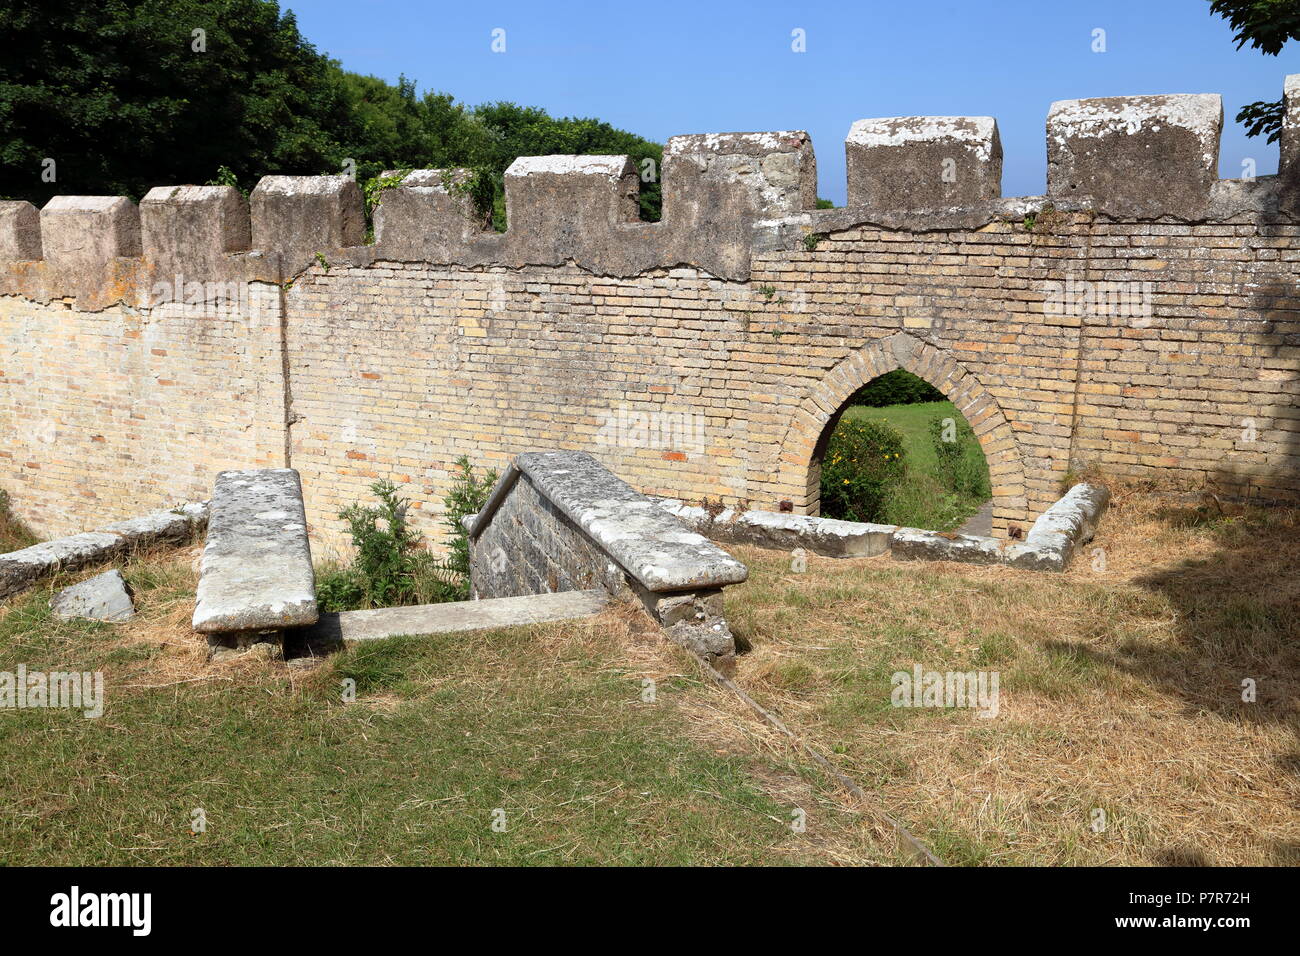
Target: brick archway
x: 825, y: 402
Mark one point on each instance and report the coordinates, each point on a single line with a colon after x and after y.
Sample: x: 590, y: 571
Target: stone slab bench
x: 21, y: 569
x: 457, y: 616
x: 256, y: 573
x: 560, y: 521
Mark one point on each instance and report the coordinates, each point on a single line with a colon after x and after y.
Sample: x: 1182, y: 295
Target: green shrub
x: 899, y: 387
x: 468, y: 495
x: 390, y: 568
x: 14, y: 535
x: 962, y: 467
x: 864, y: 461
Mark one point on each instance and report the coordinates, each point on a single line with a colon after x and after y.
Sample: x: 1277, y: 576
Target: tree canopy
x: 1267, y: 25
x: 123, y: 95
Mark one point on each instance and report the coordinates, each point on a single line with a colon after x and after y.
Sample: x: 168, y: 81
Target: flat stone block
x: 256, y: 572
x: 425, y: 219
x: 20, y: 231
x: 173, y: 527
x: 828, y: 537
x: 647, y: 542
x: 1136, y: 156
x: 919, y: 162
x: 105, y: 597
x: 81, y: 235
x: 190, y: 230
x: 19, y: 569
x: 458, y: 616
x: 912, y: 543
x: 300, y: 216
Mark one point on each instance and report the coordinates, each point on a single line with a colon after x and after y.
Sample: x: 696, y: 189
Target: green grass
x: 544, y: 723
x: 14, y: 535
x: 921, y: 500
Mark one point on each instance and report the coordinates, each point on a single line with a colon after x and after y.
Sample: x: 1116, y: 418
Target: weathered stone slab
x: 162, y: 527
x: 646, y: 542
x: 82, y: 235
x: 829, y: 537
x: 256, y: 572
x: 727, y: 195
x: 919, y: 162
x: 912, y: 543
x: 20, y: 231
x: 300, y: 216
x: 1062, y: 528
x: 1139, y: 156
x: 105, y: 597
x: 428, y: 218
x: 20, y: 569
x: 189, y: 230
x: 459, y: 616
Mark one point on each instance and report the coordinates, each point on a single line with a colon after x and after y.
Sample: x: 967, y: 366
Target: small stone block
x: 105, y: 597
x: 20, y: 231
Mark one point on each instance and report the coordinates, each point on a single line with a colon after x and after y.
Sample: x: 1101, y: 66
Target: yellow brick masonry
x: 395, y: 370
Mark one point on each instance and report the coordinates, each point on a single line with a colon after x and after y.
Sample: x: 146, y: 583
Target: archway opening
x: 899, y: 452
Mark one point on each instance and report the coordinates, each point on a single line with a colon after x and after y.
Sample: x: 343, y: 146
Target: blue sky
x: 667, y: 67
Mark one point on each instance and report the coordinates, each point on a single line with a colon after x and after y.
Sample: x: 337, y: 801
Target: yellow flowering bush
x: 864, y: 460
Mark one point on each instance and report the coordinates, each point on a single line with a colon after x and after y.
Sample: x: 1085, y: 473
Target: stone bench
x: 256, y: 574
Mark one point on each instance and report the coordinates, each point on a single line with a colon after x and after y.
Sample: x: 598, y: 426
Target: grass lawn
x: 546, y: 724
x: 921, y: 500
x: 1120, y: 689
x: 1120, y: 692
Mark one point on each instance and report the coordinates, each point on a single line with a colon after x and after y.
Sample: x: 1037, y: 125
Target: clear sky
x: 666, y: 67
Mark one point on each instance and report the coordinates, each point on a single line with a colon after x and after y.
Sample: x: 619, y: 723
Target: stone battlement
x: 727, y: 196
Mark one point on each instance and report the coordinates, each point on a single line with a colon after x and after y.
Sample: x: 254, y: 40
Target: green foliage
x: 390, y: 568
x: 1267, y: 25
x: 1263, y: 117
x: 961, y: 464
x: 468, y: 495
x: 899, y: 387
x: 118, y: 96
x: 226, y: 177
x: 864, y: 460
x: 14, y: 535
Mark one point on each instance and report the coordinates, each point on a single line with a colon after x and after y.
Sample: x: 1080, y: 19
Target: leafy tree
x: 124, y: 94
x: 1267, y: 25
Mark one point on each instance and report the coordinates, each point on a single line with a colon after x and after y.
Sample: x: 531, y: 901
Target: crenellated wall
x: 1142, y: 316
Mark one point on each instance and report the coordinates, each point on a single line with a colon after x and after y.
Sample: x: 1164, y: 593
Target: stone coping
x: 458, y: 616
x: 256, y: 572
x: 643, y: 539
x: 21, y: 569
x: 1051, y: 542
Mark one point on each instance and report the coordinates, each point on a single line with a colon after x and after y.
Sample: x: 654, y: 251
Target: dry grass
x: 1120, y: 689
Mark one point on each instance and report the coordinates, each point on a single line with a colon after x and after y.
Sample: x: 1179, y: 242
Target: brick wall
x: 1142, y: 317
x: 394, y: 370
x: 113, y: 413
